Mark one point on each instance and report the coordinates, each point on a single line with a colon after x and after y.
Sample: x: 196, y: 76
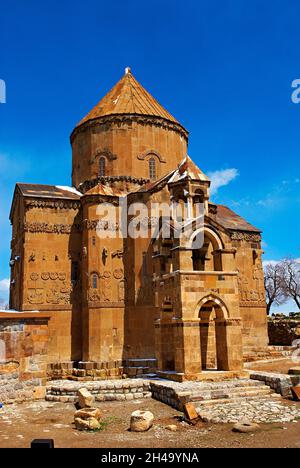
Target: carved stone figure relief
x: 118, y: 273
x: 121, y: 291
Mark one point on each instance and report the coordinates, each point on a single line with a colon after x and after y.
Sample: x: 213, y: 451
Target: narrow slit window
x: 95, y: 281
x: 152, y: 168
x: 102, y: 167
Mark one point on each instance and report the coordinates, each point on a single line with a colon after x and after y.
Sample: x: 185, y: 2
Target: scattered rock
x: 244, y: 426
x: 184, y: 424
x: 90, y: 424
x: 190, y: 412
x: 85, y: 398
x: 296, y: 392
x: 171, y: 427
x: 86, y: 413
x: 205, y: 417
x: 141, y: 421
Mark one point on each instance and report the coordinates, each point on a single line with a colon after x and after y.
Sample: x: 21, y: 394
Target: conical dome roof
x: 128, y: 97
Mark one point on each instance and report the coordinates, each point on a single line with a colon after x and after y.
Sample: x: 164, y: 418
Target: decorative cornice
x: 53, y: 203
x: 121, y: 119
x: 107, y: 180
x: 51, y: 228
x: 245, y: 236
x: 96, y: 198
x: 99, y: 225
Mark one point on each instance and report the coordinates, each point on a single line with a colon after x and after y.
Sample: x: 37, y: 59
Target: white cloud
x: 4, y: 285
x: 4, y: 292
x: 222, y: 178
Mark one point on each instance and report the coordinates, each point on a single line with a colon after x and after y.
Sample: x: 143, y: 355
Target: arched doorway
x: 213, y: 317
x: 206, y: 256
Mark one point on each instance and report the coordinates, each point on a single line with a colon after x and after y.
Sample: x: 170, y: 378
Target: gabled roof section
x: 232, y: 221
x: 43, y: 191
x: 128, y: 97
x: 188, y: 170
x: 49, y: 191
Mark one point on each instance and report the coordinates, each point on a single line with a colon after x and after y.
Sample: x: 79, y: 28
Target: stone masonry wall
x: 23, y: 356
x: 281, y: 383
x: 283, y: 332
x: 109, y: 390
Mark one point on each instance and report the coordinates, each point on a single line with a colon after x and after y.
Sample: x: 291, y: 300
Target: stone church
x: 114, y: 300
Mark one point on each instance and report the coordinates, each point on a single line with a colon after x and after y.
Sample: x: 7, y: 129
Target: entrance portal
x: 213, y: 336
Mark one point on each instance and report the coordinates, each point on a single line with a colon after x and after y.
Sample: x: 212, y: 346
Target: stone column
x: 187, y: 347
x: 229, y: 344
x: 182, y: 259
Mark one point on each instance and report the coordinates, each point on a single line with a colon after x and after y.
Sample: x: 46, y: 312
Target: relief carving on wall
x: 246, y: 236
x: 58, y: 204
x: 93, y: 295
x: 118, y: 273
x: 121, y: 291
x: 56, y: 292
x: 106, y: 289
x: 100, y: 225
x: 51, y: 228
x: 252, y: 295
x: 258, y: 276
x: 36, y: 296
x: 117, y: 253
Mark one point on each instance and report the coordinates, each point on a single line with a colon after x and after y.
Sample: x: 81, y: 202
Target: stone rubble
x: 85, y: 398
x: 141, y: 421
x: 256, y: 411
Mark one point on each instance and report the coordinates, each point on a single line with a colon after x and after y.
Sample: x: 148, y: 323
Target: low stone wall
x: 88, y: 370
x: 283, y: 332
x: 267, y: 353
x: 169, y: 394
x: 12, y: 390
x: 110, y: 390
x: 281, y: 383
x: 85, y: 371
x: 23, y: 356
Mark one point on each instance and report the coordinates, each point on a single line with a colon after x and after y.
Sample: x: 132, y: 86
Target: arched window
x: 95, y: 281
x: 102, y: 166
x: 152, y: 169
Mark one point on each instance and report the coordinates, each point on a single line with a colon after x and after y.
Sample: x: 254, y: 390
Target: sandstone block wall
x: 283, y: 332
x: 23, y: 356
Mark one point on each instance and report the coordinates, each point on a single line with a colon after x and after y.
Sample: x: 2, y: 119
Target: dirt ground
x: 281, y: 366
x: 19, y: 424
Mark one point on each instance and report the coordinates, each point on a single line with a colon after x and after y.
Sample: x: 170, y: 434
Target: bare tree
x: 291, y: 279
x: 275, y: 293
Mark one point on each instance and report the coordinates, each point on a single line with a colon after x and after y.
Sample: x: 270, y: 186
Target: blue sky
x: 223, y: 68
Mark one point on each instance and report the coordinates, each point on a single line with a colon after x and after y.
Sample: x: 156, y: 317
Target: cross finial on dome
x: 127, y: 70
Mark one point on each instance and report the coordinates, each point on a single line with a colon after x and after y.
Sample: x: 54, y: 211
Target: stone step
x: 231, y: 394
x: 226, y: 385
x: 200, y: 405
